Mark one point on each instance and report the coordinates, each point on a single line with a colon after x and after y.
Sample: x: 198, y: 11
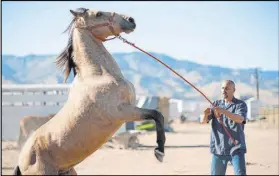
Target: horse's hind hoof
x: 159, y: 155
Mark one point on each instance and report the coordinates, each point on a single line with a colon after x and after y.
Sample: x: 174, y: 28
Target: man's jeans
x: 219, y: 164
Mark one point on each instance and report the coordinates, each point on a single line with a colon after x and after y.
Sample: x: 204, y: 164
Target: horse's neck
x: 91, y: 57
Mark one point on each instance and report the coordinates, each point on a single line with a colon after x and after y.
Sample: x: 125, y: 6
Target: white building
x: 253, y: 108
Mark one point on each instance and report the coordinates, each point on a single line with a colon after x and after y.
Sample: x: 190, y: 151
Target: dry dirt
x: 187, y: 152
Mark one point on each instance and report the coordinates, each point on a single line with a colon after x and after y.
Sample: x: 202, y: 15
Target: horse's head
x: 103, y: 24
x: 100, y: 24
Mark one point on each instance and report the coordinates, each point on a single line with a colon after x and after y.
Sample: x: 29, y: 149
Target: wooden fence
x: 19, y: 101
x: 271, y: 115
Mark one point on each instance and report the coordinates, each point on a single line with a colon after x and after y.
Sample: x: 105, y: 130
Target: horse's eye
x: 98, y: 14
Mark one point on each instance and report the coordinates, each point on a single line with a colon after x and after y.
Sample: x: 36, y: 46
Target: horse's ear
x: 76, y: 14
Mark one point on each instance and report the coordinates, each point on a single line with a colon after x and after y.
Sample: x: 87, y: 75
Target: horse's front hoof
x: 159, y: 155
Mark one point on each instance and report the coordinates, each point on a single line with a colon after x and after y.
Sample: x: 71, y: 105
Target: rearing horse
x: 100, y: 100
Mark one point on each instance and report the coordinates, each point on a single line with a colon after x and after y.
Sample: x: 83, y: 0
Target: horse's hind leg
x: 36, y: 162
x: 43, y: 169
x: 72, y: 171
x: 133, y: 113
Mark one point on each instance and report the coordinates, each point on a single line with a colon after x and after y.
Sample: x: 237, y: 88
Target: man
x: 233, y: 113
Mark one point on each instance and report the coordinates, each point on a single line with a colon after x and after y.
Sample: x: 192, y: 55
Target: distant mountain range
x: 148, y: 76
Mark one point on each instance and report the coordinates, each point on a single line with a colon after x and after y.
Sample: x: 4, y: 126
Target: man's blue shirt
x: 220, y: 143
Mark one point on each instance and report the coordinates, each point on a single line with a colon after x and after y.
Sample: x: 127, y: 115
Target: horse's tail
x: 17, y: 171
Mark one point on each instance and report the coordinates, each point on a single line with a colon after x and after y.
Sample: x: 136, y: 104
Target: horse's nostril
x: 131, y: 20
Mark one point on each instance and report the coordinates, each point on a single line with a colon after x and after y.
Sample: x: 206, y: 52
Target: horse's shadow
x: 141, y: 146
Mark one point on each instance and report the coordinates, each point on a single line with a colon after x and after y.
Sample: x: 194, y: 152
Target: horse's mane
x: 65, y: 59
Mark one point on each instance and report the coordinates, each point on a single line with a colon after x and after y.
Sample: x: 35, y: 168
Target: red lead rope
x: 132, y: 44
x: 110, y: 24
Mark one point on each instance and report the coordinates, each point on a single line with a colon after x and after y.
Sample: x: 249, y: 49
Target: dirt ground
x: 187, y: 152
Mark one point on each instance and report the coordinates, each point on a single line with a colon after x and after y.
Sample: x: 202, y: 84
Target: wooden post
x: 257, y: 83
x: 276, y: 117
x: 163, y: 106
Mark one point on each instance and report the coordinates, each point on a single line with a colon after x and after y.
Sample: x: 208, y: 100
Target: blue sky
x: 227, y: 34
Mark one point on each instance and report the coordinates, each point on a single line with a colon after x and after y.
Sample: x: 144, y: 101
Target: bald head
x: 228, y: 89
x: 230, y: 83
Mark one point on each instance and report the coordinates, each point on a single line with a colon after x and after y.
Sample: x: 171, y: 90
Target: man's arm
x: 209, y: 113
x: 239, y: 116
x: 206, y: 113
